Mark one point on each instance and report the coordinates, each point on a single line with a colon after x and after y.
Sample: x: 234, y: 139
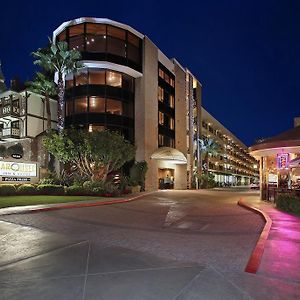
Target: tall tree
x: 208, y: 147
x: 57, y: 58
x: 45, y: 87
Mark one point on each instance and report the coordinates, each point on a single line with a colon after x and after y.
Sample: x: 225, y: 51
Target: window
x: 128, y: 109
x: 114, y: 107
x: 115, y: 46
x: 172, y: 123
x: 113, y: 79
x: 160, y: 118
x: 116, y: 32
x: 69, y: 108
x: 172, y: 143
x: 167, y: 78
x: 172, y: 82
x: 161, y: 73
x: 160, y: 140
x: 97, y: 77
x: 76, y: 37
x: 133, y: 53
x: 133, y: 40
x: 69, y: 81
x: 97, y: 104
x: 62, y: 36
x: 81, y: 77
x: 95, y: 37
x: 81, y: 105
x: 15, y: 124
x: 127, y: 83
x: 171, y: 101
x: 160, y: 94
x: 93, y: 128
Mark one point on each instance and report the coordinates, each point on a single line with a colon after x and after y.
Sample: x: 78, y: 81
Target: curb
x: 257, y: 253
x: 79, y: 205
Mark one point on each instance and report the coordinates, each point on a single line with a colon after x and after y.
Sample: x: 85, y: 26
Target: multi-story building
x: 22, y: 120
x: 233, y: 165
x: 127, y: 84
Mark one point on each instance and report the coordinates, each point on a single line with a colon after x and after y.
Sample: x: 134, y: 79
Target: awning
x: 295, y: 163
x: 170, y: 155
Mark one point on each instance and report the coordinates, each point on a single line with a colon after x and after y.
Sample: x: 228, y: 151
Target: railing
x: 9, y: 132
x: 271, y: 193
x: 9, y: 110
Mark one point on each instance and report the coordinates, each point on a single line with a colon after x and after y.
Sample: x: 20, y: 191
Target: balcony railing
x: 9, y: 110
x: 9, y: 133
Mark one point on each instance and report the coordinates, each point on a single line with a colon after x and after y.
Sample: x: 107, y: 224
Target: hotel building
x: 127, y: 84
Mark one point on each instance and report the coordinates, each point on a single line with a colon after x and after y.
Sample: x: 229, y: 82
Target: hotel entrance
x: 165, y: 179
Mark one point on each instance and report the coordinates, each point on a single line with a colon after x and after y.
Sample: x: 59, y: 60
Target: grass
x: 8, y: 201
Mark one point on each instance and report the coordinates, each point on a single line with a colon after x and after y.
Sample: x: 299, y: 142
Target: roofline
x: 81, y: 20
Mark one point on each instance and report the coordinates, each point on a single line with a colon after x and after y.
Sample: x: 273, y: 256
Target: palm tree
x: 45, y: 87
x: 208, y: 146
x: 57, y: 58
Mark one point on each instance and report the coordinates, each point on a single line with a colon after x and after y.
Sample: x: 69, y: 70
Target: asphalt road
x: 168, y: 245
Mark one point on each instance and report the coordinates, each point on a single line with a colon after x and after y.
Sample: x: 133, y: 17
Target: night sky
x: 245, y: 53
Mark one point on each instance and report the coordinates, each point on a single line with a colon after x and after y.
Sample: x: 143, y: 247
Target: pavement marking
x: 86, y: 270
x: 4, y: 266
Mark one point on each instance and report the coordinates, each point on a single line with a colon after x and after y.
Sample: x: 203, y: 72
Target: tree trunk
x: 60, y: 104
x: 207, y: 163
x: 48, y: 111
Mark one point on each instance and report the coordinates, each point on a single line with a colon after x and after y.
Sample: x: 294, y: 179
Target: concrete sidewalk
x: 281, y: 257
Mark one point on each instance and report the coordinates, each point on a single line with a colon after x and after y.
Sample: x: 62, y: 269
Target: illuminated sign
x: 273, y: 178
x: 15, y: 169
x: 283, y: 161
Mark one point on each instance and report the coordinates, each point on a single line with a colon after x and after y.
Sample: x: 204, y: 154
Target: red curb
x: 80, y: 205
x: 257, y: 253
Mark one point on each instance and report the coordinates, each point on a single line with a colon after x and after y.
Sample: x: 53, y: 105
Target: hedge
x: 51, y: 189
x: 76, y: 190
x: 288, y: 203
x: 27, y: 189
x: 7, y: 189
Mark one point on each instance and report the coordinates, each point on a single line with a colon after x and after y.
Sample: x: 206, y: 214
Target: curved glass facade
x: 100, y: 98
x: 103, y: 42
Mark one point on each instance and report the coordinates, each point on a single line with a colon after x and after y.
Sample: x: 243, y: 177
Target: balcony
x: 10, y: 133
x: 9, y: 112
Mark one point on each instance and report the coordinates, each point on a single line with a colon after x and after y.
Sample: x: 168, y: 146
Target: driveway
x: 167, y: 245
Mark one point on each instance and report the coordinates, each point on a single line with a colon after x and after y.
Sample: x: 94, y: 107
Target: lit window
x: 161, y: 73
x: 97, y: 104
x: 113, y: 79
x: 160, y: 140
x: 171, y: 101
x: 172, y: 123
x: 160, y: 118
x: 114, y: 107
x: 97, y: 77
x: 172, y: 82
x: 81, y: 105
x: 81, y: 77
x: 93, y: 128
x: 160, y: 94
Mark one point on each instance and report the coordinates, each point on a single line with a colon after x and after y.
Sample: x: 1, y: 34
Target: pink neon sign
x: 283, y: 161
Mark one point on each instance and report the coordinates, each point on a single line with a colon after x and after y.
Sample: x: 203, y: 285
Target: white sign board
x: 16, y: 169
x: 273, y: 178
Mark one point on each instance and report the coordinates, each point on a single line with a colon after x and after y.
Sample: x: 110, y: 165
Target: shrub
x: 206, y: 181
x: 100, y: 187
x: 288, y: 203
x: 138, y: 173
x: 7, y: 189
x: 27, y: 189
x: 76, y: 190
x: 51, y: 189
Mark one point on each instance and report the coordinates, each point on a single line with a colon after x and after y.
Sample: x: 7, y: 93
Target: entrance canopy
x: 168, y: 154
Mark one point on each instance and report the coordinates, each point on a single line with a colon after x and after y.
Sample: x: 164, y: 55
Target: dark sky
x: 245, y: 53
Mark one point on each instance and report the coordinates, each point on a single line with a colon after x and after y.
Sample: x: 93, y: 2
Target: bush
x: 51, y: 189
x: 7, y: 189
x: 27, y: 189
x: 288, y: 203
x: 100, y: 188
x: 76, y: 190
x: 138, y: 173
x: 206, y: 181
